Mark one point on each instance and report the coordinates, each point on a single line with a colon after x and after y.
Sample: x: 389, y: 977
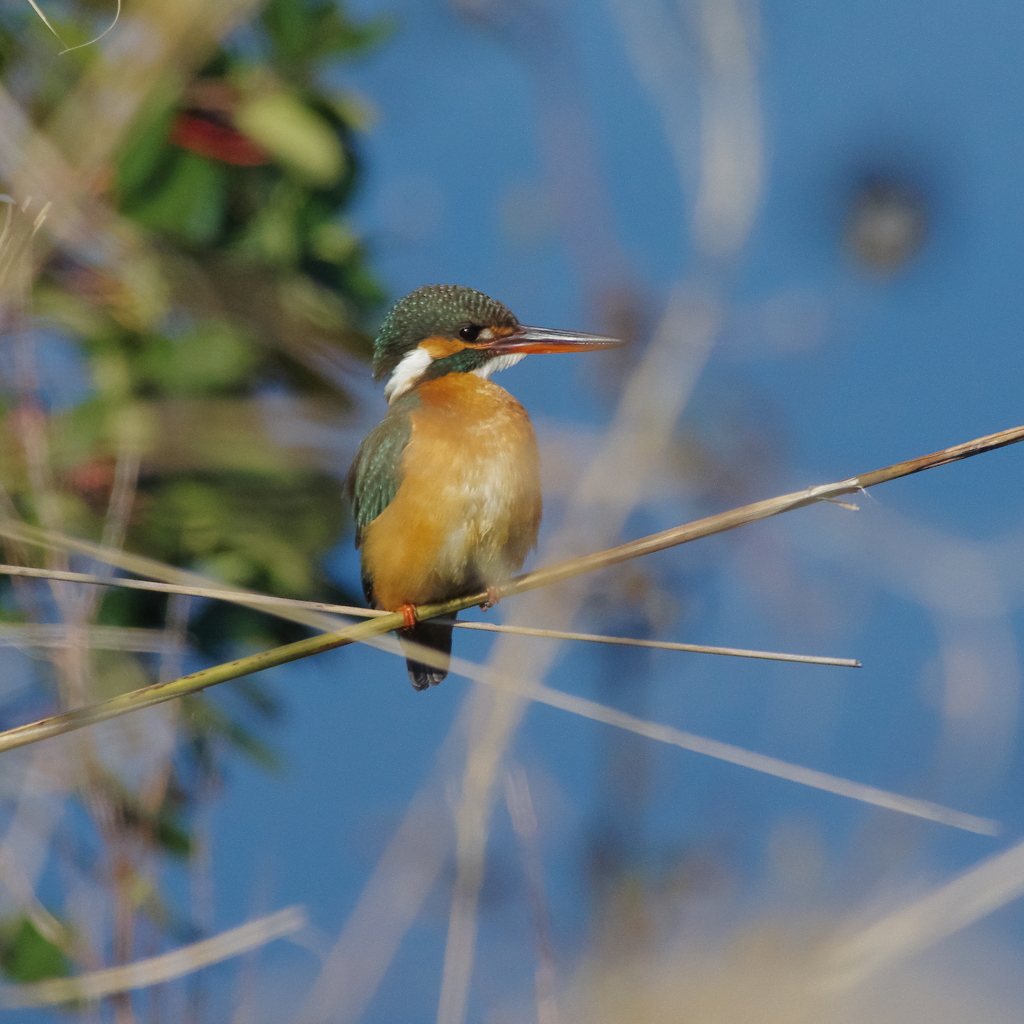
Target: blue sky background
x: 822, y: 370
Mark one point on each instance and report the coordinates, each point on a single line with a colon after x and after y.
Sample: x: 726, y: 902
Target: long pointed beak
x: 525, y: 340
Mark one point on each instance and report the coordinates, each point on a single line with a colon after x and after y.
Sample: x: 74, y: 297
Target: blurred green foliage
x: 26, y: 955
x: 239, y: 183
x: 271, y: 225
x: 246, y: 283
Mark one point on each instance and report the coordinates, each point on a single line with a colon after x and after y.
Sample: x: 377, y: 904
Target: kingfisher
x: 445, y: 490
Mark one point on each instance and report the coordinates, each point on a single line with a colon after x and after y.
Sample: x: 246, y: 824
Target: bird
x: 445, y: 490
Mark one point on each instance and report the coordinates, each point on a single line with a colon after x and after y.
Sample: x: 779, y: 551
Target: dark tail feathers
x: 430, y: 634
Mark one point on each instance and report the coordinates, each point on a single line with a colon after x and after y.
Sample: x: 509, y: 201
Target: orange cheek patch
x: 438, y: 348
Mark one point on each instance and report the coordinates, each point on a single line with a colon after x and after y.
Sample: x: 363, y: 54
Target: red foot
x: 493, y: 597
x: 409, y: 614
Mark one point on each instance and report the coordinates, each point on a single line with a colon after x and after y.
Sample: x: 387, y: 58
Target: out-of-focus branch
x: 635, y: 443
x: 157, y: 969
x: 947, y: 909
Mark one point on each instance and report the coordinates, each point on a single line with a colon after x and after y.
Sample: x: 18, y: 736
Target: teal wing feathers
x: 376, y: 472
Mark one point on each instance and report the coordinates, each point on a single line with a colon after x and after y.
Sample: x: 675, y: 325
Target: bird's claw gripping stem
x: 493, y: 597
x: 409, y: 614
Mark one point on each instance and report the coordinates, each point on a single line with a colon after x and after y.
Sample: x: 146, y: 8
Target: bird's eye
x: 470, y: 333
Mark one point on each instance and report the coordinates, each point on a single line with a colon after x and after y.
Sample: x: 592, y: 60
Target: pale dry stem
x: 166, y: 967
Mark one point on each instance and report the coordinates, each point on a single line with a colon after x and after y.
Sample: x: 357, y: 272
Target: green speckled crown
x: 435, y: 309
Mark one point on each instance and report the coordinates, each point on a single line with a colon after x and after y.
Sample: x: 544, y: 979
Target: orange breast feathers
x: 467, y: 511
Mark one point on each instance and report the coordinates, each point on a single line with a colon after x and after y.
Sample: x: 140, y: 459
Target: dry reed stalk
x: 709, y: 526
x: 274, y: 604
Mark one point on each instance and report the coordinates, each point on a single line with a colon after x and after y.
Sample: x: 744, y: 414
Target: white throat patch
x: 406, y: 374
x: 498, y: 363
